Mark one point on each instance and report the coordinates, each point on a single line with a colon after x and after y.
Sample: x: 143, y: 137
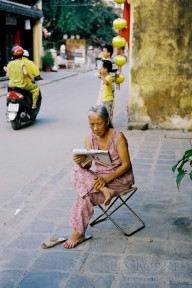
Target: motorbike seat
x: 11, y: 88
x: 19, y: 90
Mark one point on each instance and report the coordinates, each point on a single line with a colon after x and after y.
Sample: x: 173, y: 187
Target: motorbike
x: 19, y: 107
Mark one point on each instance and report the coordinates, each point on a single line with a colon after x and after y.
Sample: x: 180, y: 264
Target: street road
x: 46, y: 144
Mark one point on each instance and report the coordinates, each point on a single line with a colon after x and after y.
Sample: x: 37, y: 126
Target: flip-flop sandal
x: 52, y: 242
x: 87, y: 237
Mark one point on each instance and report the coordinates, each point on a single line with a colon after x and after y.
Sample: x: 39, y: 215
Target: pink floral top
x: 116, y: 161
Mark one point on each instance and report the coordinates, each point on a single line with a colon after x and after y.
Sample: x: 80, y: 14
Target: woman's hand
x: 99, y: 183
x: 79, y: 159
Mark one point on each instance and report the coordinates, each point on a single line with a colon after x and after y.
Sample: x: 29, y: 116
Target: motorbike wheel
x: 16, y: 124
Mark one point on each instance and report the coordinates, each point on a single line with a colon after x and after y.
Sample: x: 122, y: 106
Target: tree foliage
x: 91, y: 19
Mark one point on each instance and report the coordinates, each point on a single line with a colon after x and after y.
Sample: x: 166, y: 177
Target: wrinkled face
x: 106, y: 54
x: 97, y: 124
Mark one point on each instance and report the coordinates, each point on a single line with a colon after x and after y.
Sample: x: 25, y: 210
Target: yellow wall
x: 160, y: 90
x: 37, y: 43
x: 37, y: 40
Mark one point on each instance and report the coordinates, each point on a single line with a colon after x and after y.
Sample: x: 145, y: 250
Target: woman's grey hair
x: 102, y: 111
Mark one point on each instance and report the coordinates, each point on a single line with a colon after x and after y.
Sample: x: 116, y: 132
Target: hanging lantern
x: 118, y: 41
x: 119, y: 79
x: 119, y: 23
x: 120, y: 60
x: 120, y: 1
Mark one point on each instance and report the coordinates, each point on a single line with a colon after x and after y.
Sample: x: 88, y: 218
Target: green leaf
x: 179, y: 178
x: 179, y: 166
x: 188, y: 153
x: 174, y: 167
x: 182, y: 164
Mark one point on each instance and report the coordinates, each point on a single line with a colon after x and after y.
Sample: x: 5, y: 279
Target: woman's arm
x: 88, y: 146
x: 26, y: 73
x: 122, y: 149
x: 81, y: 158
x: 104, y: 79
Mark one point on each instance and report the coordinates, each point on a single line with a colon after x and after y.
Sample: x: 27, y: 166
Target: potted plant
x: 183, y: 167
x: 47, y: 61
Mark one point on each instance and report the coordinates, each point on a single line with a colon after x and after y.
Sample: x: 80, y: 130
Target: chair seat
x: 128, y: 191
x: 107, y: 212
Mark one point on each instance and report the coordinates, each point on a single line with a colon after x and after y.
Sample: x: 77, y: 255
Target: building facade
x: 160, y: 63
x: 20, y: 23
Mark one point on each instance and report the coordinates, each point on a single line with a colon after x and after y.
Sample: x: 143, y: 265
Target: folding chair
x: 107, y: 212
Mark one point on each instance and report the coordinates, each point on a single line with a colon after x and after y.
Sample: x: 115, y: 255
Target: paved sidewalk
x: 159, y: 256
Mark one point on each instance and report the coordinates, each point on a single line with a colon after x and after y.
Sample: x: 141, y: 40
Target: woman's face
x: 97, y: 124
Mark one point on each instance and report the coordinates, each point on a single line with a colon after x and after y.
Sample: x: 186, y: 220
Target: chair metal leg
x: 100, y: 216
x: 106, y: 210
x: 105, y: 215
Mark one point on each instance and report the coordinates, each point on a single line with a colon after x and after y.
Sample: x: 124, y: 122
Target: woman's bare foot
x: 74, y: 240
x: 109, y: 194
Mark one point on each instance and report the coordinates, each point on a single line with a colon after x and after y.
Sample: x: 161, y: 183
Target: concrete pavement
x: 159, y: 256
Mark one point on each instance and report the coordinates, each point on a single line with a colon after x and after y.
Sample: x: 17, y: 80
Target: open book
x: 100, y: 156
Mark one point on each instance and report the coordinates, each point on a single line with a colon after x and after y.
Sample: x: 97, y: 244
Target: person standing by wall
x: 63, y: 51
x: 89, y: 57
x: 107, y: 91
x: 106, y: 54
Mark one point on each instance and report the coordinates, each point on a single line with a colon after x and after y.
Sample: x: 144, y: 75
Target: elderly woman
x: 100, y: 186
